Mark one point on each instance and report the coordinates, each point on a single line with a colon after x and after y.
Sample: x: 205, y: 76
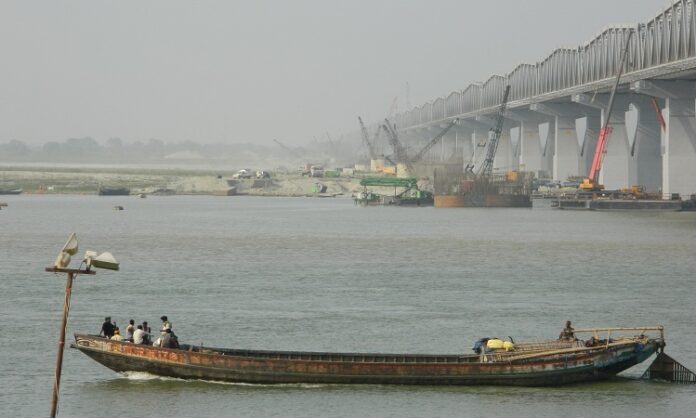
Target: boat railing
x: 601, y: 339
x: 614, y: 332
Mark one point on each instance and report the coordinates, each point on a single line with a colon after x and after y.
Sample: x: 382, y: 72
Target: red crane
x: 591, y: 183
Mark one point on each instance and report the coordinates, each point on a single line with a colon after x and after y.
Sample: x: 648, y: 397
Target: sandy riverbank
x: 88, y: 180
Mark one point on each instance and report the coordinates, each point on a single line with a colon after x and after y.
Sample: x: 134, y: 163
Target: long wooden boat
x: 528, y: 364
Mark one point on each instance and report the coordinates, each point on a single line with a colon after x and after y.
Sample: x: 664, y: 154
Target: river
x: 325, y: 275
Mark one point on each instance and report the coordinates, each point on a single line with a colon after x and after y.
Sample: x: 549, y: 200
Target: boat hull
x: 113, y: 191
x: 336, y: 368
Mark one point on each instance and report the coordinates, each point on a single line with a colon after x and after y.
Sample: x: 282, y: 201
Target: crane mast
x: 591, y: 183
x: 399, y: 149
x: 486, y: 168
x: 366, y: 139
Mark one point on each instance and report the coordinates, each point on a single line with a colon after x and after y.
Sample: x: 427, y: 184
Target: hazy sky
x: 233, y: 71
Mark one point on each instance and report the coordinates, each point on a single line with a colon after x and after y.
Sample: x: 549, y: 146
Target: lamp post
x: 64, y: 324
x: 106, y: 261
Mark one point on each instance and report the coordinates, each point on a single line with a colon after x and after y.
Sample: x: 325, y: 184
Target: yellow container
x: 495, y: 344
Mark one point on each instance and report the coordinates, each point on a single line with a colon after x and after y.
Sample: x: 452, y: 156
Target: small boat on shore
x: 113, y: 191
x: 543, y: 363
x: 11, y: 191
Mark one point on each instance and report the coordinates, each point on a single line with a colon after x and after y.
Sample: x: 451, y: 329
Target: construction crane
x: 366, y: 139
x: 486, y: 168
x: 397, y: 146
x: 400, y: 150
x: 434, y: 141
x: 290, y: 150
x: 591, y: 183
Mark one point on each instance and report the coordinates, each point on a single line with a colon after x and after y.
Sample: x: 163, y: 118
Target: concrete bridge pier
x: 643, y: 131
x: 463, y: 142
x: 678, y: 139
x: 586, y: 132
x: 530, y: 140
x: 567, y: 145
x: 450, y: 145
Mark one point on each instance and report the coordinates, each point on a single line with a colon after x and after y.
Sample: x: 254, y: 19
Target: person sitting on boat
x: 139, y: 335
x: 147, y: 338
x: 117, y: 335
x: 568, y: 333
x: 174, y: 339
x: 130, y: 329
x: 165, y: 339
x: 107, y: 329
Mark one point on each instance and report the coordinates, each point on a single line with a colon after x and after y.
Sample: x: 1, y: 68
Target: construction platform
x: 618, y: 204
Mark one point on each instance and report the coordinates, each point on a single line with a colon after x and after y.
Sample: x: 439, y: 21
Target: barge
x: 544, y: 363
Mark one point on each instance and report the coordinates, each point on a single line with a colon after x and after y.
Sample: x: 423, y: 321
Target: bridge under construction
x: 558, y: 105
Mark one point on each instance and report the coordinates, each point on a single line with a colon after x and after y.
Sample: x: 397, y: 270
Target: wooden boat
x: 113, y: 191
x: 11, y: 191
x: 528, y: 364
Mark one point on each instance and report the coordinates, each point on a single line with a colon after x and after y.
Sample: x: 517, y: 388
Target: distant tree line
x: 117, y: 151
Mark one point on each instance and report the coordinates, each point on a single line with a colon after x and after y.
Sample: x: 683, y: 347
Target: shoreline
x: 174, y: 181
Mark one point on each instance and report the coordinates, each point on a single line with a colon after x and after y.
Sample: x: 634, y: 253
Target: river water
x: 325, y: 275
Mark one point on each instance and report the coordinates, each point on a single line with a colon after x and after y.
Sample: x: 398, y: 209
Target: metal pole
x: 61, y: 345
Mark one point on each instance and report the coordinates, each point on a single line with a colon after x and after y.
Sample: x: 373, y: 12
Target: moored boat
x: 113, y: 191
x: 524, y: 364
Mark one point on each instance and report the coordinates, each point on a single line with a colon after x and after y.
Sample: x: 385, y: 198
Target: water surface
x: 324, y: 275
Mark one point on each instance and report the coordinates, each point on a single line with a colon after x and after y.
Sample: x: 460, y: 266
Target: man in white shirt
x: 139, y: 335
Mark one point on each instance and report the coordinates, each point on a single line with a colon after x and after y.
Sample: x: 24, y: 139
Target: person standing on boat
x: 165, y: 323
x: 107, y: 329
x: 568, y: 333
x: 130, y: 329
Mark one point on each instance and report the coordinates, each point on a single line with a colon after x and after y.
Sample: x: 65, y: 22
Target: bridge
x: 557, y: 107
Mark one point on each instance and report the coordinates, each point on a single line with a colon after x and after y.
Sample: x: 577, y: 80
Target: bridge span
x: 558, y: 104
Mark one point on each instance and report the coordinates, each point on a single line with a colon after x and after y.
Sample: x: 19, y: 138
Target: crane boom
x: 434, y: 141
x: 285, y: 147
x: 399, y: 150
x: 366, y: 139
x: 592, y: 180
x: 486, y: 168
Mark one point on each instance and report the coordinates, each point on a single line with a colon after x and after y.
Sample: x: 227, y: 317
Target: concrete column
x: 547, y: 145
x: 586, y: 131
x: 535, y: 140
x: 504, y: 160
x: 530, y: 149
x: 566, y: 155
x: 679, y: 147
x: 614, y: 172
x: 570, y: 137
x: 464, y: 144
x: 678, y: 138
x: 645, y: 159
